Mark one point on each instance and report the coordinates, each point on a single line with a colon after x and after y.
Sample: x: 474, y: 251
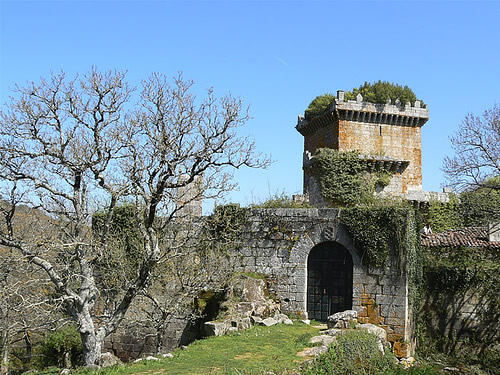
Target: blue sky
x: 276, y: 55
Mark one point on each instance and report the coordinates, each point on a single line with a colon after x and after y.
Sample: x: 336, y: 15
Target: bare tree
x: 71, y: 147
x: 477, y: 152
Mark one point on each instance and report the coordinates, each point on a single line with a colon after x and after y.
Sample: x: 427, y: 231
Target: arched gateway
x: 329, y: 280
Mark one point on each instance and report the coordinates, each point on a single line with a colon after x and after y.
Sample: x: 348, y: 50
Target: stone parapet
x: 361, y: 111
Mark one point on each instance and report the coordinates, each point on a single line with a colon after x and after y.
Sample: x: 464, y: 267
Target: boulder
x: 215, y: 328
x: 280, y: 318
x: 256, y: 320
x: 268, y: 322
x: 313, y: 352
x: 167, y: 355
x: 372, y: 328
x: 323, y: 339
x: 108, y: 359
x: 344, y: 316
x: 244, y: 323
x: 332, y: 332
x: 283, y: 319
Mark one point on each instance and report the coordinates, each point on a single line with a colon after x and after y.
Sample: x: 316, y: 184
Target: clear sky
x: 276, y: 55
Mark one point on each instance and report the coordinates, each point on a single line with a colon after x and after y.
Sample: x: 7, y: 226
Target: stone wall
x: 137, y: 337
x: 278, y: 242
x: 399, y: 142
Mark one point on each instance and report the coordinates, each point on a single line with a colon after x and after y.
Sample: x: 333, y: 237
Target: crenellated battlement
x: 360, y: 111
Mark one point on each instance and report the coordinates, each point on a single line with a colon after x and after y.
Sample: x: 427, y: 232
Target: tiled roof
x: 469, y: 237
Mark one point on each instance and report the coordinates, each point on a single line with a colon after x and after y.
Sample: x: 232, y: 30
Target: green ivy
x: 380, y: 231
x: 443, y: 215
x: 343, y: 177
x: 227, y: 222
x: 454, y: 276
x: 120, y: 259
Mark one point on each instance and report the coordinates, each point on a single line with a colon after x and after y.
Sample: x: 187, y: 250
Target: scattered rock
x: 215, y: 328
x: 148, y: 358
x: 268, y: 322
x: 313, y: 352
x: 306, y: 321
x: 232, y: 330
x: 333, y: 332
x: 372, y: 328
x: 451, y: 369
x: 65, y: 371
x: 255, y: 320
x: 407, y: 362
x: 280, y: 318
x: 344, y: 316
x: 323, y: 339
x: 244, y: 323
x: 108, y: 359
x: 288, y: 321
x: 167, y: 355
x: 184, y: 347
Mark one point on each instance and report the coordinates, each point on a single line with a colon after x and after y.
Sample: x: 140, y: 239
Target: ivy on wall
x: 227, y: 222
x: 380, y: 231
x: 443, y: 215
x: 343, y: 177
x: 453, y: 278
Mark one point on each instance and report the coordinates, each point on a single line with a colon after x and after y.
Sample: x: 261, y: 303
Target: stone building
x: 311, y: 259
x: 387, y: 136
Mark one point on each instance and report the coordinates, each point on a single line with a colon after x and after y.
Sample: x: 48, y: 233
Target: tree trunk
x: 91, y: 347
x: 91, y: 340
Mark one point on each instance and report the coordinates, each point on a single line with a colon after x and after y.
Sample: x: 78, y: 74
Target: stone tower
x: 387, y: 135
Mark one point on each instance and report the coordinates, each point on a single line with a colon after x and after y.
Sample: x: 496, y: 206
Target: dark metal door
x: 329, y: 280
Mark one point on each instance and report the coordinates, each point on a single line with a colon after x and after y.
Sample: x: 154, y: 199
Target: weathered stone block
x: 401, y: 349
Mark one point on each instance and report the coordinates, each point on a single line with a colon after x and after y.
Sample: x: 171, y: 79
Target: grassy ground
x: 255, y: 351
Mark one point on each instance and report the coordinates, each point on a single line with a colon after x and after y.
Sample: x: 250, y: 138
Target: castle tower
x: 387, y: 135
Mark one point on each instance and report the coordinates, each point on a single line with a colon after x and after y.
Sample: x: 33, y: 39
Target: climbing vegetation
x: 453, y: 278
x: 227, y: 223
x: 343, y: 177
x: 391, y: 229
x: 443, y: 215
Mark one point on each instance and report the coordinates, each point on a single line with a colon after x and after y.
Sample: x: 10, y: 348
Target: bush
x: 356, y: 353
x: 381, y: 92
x: 280, y: 200
x: 319, y: 105
x: 63, y: 342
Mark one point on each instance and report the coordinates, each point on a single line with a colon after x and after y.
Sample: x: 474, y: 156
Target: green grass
x: 255, y: 351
